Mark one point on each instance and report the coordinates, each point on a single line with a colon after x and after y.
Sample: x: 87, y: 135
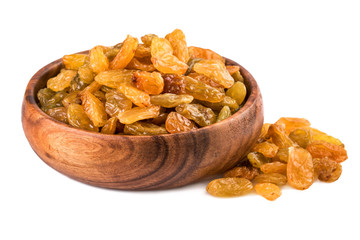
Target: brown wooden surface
x: 140, y: 162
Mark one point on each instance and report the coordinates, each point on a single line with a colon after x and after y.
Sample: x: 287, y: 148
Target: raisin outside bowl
x: 140, y: 162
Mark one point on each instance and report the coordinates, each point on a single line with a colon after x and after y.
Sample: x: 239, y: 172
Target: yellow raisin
x: 138, y: 113
x: 215, y: 70
x: 269, y: 191
x: 98, y: 61
x: 126, y: 53
x: 229, y: 187
x: 62, y: 80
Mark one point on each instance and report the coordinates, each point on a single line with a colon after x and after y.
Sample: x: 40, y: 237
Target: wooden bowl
x: 140, y: 162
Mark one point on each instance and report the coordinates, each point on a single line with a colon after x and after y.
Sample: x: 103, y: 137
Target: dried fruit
x: 282, y: 155
x: 151, y: 83
x: 168, y: 63
x: 205, y: 79
x: 142, y: 51
x: 100, y: 95
x: 326, y: 169
x: 173, y: 84
x: 321, y: 149
x: 170, y: 100
x: 113, y: 51
x: 229, y: 187
x: 237, y: 92
x: 44, y: 96
x: 160, y: 46
x: 227, y: 101
x: 59, y: 113
x: 77, y: 84
x: 116, y: 102
x: 238, y: 77
x: 279, y: 136
x: 203, y: 116
x: 55, y: 101
x: 279, y: 157
x: 266, y: 148
x: 257, y: 159
x: 264, y: 132
x: 196, y: 52
x: 86, y: 74
x: 62, y: 80
x: 138, y: 113
x: 202, y: 91
x: 125, y: 54
x: 215, y: 70
x: 301, y: 136
x: 157, y: 77
x: 274, y: 167
x: 160, y: 119
x: 178, y: 43
x: 114, y: 78
x: 98, y: 61
x: 110, y: 126
x: 72, y: 97
x: 176, y: 122
x: 224, y: 113
x: 92, y: 88
x: 138, y: 97
x: 163, y: 59
x: 321, y: 136
x: 74, y: 61
x: 78, y: 118
x: 147, y: 39
x: 300, y: 169
x: 94, y: 109
x: 242, y: 172
x: 275, y: 178
x: 269, y: 191
x: 143, y: 128
x: 143, y: 64
x: 232, y: 69
x: 292, y: 123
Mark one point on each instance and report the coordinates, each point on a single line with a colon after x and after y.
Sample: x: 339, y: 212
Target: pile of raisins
x: 159, y: 86
x: 288, y: 151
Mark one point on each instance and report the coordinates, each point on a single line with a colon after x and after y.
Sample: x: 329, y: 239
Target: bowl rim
x: 31, y: 99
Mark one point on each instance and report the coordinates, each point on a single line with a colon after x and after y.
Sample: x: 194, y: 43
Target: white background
x: 305, y: 56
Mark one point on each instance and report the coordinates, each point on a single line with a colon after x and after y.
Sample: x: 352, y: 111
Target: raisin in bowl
x: 141, y: 162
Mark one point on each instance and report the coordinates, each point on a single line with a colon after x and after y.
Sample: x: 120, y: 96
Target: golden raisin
x: 197, y: 52
x: 326, y: 169
x: 275, y: 178
x: 149, y: 82
x: 300, y: 169
x: 98, y: 61
x: 269, y: 191
x: 321, y: 149
x: 292, y: 123
x: 74, y: 61
x: 215, y: 70
x: 274, y: 167
x: 178, y: 43
x: 94, y: 109
x: 229, y: 187
x: 242, y: 172
x: 138, y: 113
x: 176, y: 122
x: 61, y: 81
x: 266, y: 148
x: 126, y: 53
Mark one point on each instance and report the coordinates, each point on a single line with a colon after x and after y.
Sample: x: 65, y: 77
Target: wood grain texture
x: 140, y: 162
